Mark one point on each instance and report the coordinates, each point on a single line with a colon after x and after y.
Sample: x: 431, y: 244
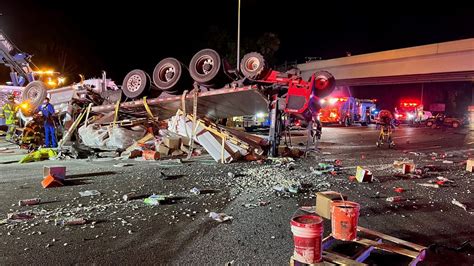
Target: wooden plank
x: 391, y: 238
x: 365, y: 253
x: 388, y: 247
x: 420, y: 257
x: 294, y: 262
x: 339, y: 260
x: 327, y: 241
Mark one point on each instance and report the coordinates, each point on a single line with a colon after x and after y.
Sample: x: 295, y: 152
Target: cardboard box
x: 363, y: 175
x: 163, y: 150
x: 172, y: 142
x: 49, y: 181
x: 324, y: 200
x: 185, y: 141
x: 56, y: 171
x: 470, y: 165
x: 184, y: 148
x: 408, y: 168
x: 177, y: 153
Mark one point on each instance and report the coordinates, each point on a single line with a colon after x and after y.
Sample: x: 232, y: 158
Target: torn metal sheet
x: 219, y: 103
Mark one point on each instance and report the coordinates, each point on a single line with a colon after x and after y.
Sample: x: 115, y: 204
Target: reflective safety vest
x: 9, y: 113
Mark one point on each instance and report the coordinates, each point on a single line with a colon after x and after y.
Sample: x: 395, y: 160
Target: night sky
x: 119, y: 36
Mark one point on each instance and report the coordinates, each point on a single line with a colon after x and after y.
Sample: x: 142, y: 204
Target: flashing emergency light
x: 61, y: 80
x: 333, y: 100
x: 25, y: 106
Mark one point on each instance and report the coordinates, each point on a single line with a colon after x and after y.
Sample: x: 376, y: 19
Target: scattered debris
x: 429, y: 185
x: 56, y: 171
x: 39, y: 155
x: 399, y: 189
x: 281, y: 160
x: 20, y: 216
x: 150, y: 155
x: 89, y: 193
x: 70, y: 221
x: 195, y: 191
x: 29, y: 202
x: 442, y: 181
x: 363, y: 175
x: 470, y: 165
x: 448, y: 162
x: 308, y: 209
x: 50, y: 181
x: 396, y: 199
x: 220, y: 217
x: 122, y: 164
x: 154, y: 200
x: 134, y: 196
x: 459, y: 204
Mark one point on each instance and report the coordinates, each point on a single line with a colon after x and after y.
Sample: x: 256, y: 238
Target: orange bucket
x: 344, y: 220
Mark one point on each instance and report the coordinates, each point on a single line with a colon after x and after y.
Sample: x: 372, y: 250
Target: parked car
x: 449, y: 121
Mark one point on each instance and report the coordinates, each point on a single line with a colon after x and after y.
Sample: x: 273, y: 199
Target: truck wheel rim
x: 252, y: 63
x: 167, y: 73
x: 134, y: 83
x: 204, y: 65
x: 33, y: 93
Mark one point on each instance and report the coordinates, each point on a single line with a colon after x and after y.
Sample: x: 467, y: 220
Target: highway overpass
x: 440, y: 62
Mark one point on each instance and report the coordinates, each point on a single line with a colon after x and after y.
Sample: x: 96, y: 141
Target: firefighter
x: 47, y: 110
x: 8, y: 112
x: 386, y: 123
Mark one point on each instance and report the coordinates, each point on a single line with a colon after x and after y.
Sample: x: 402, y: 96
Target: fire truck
x: 407, y: 111
x: 346, y: 111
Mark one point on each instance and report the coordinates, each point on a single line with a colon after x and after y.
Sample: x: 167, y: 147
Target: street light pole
x: 238, y: 36
x: 422, y: 87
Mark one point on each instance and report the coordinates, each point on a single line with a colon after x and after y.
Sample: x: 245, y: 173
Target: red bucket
x: 307, y: 235
x: 344, y: 220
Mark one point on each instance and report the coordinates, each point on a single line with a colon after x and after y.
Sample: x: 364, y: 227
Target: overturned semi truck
x: 212, y: 88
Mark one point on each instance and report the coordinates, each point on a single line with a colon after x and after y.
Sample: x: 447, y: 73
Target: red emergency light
x: 409, y: 104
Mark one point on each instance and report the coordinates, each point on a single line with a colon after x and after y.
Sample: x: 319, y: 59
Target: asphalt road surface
x: 181, y: 232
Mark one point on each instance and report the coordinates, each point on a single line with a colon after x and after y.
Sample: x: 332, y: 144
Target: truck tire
x: 135, y: 84
x: 34, y: 93
x: 253, y: 66
x: 205, y: 69
x: 324, y: 85
x: 455, y: 124
x: 429, y: 123
x: 170, y: 76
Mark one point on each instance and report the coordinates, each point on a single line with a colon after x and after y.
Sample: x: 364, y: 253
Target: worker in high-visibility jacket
x: 8, y: 112
x: 47, y: 110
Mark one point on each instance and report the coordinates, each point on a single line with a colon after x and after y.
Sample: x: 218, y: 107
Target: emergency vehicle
x: 347, y: 111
